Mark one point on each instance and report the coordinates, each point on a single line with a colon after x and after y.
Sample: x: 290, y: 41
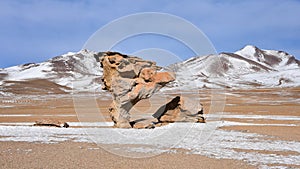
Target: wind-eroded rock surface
x: 131, y: 79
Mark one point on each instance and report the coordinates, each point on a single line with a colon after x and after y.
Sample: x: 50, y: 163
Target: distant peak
x: 85, y: 51
x: 249, y: 48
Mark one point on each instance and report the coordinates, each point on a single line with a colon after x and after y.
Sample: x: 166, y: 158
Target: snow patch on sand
x: 199, y: 138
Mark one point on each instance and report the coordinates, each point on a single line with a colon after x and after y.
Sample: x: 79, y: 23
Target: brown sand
x: 279, y: 101
x: 83, y: 155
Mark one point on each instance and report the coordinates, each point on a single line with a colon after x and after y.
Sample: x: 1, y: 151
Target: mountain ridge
x: 249, y: 67
x: 246, y: 68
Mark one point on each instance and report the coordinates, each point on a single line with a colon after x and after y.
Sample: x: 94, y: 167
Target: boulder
x: 171, y: 112
x: 174, y: 111
x: 53, y: 123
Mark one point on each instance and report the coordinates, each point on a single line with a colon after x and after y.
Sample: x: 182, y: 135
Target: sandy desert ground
x: 256, y: 128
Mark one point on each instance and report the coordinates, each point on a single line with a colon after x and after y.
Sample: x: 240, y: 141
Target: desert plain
x: 245, y: 128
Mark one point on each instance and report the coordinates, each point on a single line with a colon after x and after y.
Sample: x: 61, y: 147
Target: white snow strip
x: 5, y: 106
x: 72, y: 124
x: 17, y: 124
x: 15, y: 115
x: 45, y: 115
x: 231, y: 123
x: 265, y: 117
x: 94, y: 124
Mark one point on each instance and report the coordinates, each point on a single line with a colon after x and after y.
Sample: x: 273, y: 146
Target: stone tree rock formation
x: 130, y: 79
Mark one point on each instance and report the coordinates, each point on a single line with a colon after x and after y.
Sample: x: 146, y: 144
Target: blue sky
x: 36, y: 30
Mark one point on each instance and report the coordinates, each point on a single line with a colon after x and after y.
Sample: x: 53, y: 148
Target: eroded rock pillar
x: 130, y: 79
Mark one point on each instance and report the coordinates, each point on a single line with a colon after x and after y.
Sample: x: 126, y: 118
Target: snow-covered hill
x: 249, y: 67
x: 79, y: 71
x: 278, y: 60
